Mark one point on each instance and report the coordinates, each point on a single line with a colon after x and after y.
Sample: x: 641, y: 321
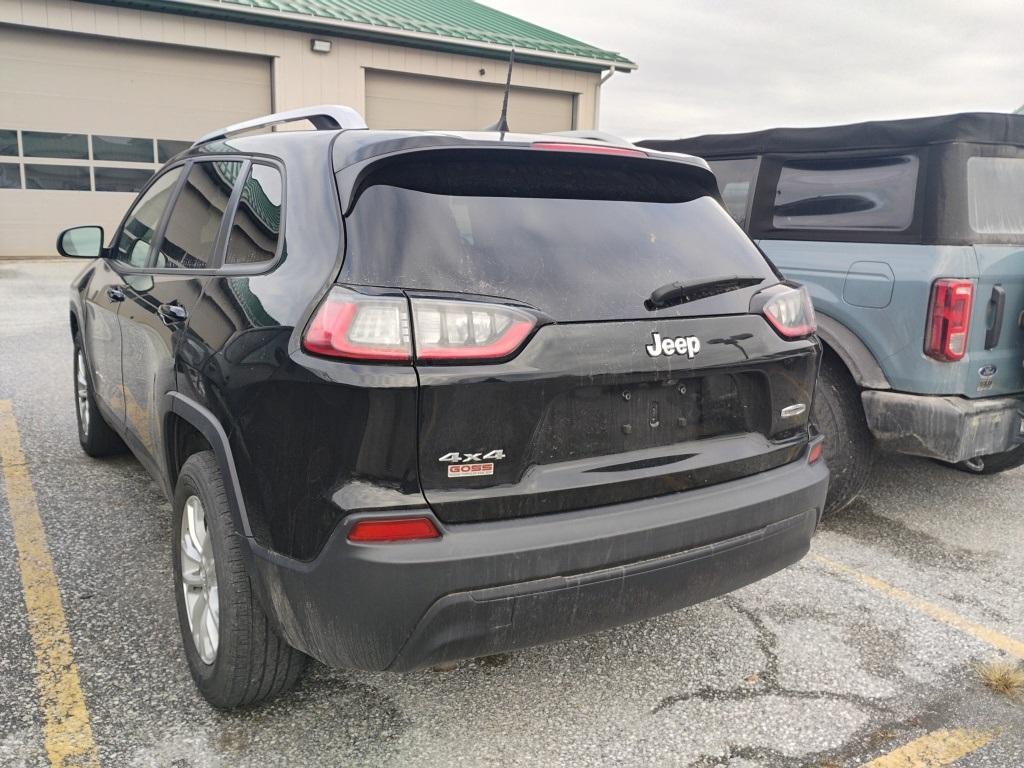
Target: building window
x: 166, y: 148
x: 122, y: 148
x: 66, y: 177
x: 9, y: 143
x: 847, y: 193
x: 10, y: 176
x: 69, y: 146
x: 121, y: 179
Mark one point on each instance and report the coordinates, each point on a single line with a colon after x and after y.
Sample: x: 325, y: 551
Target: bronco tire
x: 849, y: 446
x: 235, y: 656
x: 994, y: 463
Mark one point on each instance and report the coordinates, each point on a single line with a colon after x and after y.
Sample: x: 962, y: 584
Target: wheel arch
x: 190, y: 425
x: 852, y: 352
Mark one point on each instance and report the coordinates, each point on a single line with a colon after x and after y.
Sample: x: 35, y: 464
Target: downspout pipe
x: 597, y: 98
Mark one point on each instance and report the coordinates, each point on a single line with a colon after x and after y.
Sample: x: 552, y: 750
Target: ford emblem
x: 987, y: 371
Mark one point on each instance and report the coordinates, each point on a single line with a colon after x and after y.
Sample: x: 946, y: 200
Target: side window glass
x: 137, y: 235
x: 736, y: 183
x: 257, y: 225
x: 191, y: 233
x: 872, y: 193
x: 995, y: 195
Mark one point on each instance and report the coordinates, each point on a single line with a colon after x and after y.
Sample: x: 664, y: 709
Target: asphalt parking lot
x: 865, y: 651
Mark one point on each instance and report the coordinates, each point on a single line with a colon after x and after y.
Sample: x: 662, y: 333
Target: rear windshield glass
x: 874, y: 193
x: 579, y: 238
x: 995, y: 195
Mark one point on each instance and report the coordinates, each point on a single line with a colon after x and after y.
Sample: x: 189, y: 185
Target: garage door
x: 85, y: 120
x: 395, y: 100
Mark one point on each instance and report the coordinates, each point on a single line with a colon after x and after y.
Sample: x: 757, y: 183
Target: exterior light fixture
x: 320, y: 46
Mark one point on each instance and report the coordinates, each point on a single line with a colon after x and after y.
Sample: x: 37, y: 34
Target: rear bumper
x: 483, y: 588
x: 947, y: 428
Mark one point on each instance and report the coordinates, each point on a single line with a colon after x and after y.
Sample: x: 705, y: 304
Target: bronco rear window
x: 995, y: 195
x: 579, y: 237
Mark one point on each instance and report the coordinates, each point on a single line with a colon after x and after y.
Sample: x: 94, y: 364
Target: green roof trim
x: 449, y: 25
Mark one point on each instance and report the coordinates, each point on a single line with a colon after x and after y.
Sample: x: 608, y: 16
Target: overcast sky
x: 710, y: 66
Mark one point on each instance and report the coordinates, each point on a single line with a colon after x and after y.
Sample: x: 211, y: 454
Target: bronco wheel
x: 849, y: 446
x: 96, y: 437
x: 235, y: 656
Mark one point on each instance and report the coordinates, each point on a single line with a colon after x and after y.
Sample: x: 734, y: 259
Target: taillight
x: 463, y: 330
x: 949, y: 319
x: 789, y: 310
x: 816, y: 451
x: 360, y: 327
x: 590, y: 149
x: 403, y: 529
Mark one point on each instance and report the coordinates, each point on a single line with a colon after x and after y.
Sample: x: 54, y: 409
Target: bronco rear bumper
x: 483, y: 588
x: 948, y: 428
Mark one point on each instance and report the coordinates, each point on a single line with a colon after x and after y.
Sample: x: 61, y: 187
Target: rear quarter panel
x: 851, y: 283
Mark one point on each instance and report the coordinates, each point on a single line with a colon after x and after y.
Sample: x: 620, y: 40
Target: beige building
x: 95, y: 95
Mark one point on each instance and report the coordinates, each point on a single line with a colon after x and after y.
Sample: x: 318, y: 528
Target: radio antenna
x: 502, y: 124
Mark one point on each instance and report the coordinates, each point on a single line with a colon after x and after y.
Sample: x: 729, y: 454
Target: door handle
x: 115, y: 294
x: 172, y: 313
x: 998, y: 304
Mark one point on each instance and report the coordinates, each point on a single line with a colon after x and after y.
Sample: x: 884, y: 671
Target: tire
x: 95, y: 435
x: 849, y: 447
x: 250, y: 663
x: 994, y: 463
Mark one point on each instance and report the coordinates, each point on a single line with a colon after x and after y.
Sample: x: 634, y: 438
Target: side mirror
x: 81, y: 242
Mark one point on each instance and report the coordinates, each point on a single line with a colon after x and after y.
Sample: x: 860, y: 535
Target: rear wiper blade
x: 681, y: 292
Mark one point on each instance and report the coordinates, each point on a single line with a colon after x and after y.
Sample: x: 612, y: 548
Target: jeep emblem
x: 680, y: 345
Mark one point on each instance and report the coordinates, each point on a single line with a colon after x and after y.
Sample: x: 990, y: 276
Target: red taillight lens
x: 359, y: 327
x: 464, y: 330
x: 816, y: 452
x: 356, y: 326
x: 404, y: 529
x: 949, y: 319
x: 590, y: 149
x: 789, y: 310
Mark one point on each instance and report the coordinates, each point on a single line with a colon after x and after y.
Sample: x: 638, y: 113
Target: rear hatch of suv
x: 554, y: 375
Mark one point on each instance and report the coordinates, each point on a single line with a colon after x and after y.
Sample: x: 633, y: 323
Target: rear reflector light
x: 404, y: 529
x: 591, y: 149
x: 816, y: 452
x: 949, y: 319
x: 356, y: 326
x: 789, y: 310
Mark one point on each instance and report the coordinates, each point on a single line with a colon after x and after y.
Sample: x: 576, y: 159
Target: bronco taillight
x: 949, y: 320
x: 356, y: 326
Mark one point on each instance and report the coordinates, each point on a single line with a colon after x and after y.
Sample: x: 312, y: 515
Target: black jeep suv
x: 419, y: 397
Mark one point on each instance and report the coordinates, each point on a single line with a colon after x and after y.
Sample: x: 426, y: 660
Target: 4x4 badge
x: 680, y: 345
x: 472, y: 464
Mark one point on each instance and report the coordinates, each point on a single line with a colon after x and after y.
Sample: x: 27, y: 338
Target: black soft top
x: 972, y: 127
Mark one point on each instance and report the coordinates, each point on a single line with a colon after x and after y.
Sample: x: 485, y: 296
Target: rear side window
x: 736, y: 183
x: 995, y: 195
x: 136, y: 237
x: 582, y: 238
x: 191, y: 233
x: 257, y: 225
x: 867, y: 193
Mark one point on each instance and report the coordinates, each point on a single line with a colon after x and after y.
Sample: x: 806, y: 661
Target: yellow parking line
x: 933, y: 750
x: 937, y: 612
x: 66, y: 730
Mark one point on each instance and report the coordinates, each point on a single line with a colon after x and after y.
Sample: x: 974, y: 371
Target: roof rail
x: 323, y: 117
x: 607, y: 138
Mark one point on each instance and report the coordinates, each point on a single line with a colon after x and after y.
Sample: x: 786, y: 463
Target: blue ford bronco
x: 909, y: 235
